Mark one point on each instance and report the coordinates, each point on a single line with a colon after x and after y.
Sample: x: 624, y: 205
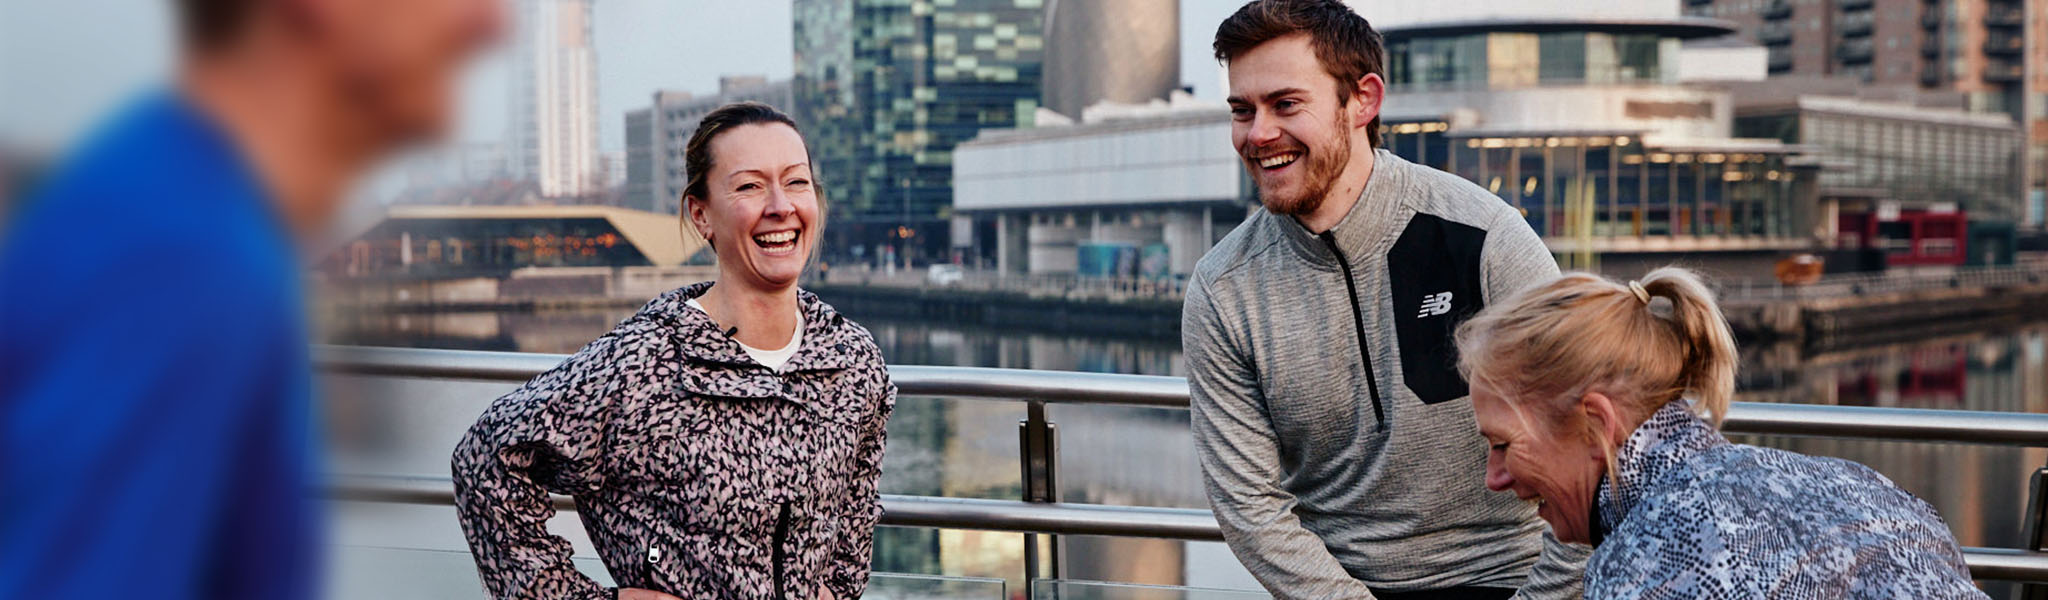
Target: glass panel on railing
x: 367, y: 573
x: 898, y: 586
x: 373, y: 573
x: 1070, y: 589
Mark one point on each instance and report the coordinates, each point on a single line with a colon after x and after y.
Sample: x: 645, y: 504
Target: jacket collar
x: 1660, y: 446
x: 1370, y: 220
x: 828, y: 341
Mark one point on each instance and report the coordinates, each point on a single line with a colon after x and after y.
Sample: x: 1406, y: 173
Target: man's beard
x: 1320, y: 168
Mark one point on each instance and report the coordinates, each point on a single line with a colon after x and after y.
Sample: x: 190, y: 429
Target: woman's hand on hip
x: 640, y: 594
x: 825, y: 593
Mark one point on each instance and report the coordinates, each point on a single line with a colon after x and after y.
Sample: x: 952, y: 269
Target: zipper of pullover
x: 1372, y: 383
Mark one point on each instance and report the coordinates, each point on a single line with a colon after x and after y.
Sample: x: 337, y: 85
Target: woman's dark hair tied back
x: 697, y: 153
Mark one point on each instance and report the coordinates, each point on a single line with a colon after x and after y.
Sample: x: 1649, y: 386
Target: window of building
x: 1562, y: 57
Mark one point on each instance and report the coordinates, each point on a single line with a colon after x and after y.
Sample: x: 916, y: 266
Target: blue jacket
x: 154, y: 387
x: 1690, y: 515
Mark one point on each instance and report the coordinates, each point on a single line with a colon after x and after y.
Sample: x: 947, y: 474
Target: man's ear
x: 1366, y: 97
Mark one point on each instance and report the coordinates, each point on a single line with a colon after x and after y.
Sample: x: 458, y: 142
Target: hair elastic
x: 1641, y: 294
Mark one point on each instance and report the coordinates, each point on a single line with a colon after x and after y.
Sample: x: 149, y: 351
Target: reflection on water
x: 1141, y: 456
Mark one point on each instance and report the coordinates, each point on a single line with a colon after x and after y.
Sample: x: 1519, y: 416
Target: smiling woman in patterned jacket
x: 725, y: 441
x: 1581, y: 387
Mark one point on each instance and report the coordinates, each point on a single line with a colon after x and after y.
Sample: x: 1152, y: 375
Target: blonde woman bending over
x: 1602, y: 403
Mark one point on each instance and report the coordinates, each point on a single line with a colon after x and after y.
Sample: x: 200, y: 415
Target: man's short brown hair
x: 1344, y: 42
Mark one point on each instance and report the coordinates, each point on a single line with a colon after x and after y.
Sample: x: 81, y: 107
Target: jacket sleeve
x: 1559, y: 573
x: 545, y: 437
x: 1240, y: 457
x: 852, y: 558
x: 1514, y: 257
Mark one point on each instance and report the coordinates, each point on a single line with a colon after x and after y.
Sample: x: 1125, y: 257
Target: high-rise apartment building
x: 1990, y: 51
x: 552, y: 136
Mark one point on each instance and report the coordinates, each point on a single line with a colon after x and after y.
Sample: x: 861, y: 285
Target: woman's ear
x: 693, y: 209
x: 1603, y: 419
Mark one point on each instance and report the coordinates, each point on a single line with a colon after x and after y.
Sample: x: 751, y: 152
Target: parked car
x: 944, y: 275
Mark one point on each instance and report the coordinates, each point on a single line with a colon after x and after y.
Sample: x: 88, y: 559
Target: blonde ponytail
x: 1708, y: 374
x: 1548, y: 346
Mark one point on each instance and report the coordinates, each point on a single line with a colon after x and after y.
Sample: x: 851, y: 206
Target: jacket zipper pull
x: 776, y: 553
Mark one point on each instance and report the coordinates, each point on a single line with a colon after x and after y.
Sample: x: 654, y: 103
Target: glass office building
x: 889, y: 87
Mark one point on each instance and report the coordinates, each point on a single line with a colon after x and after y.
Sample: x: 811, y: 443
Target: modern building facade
x: 552, y: 136
x: 1126, y: 51
x: 1888, y: 162
x: 656, y: 136
x: 1586, y: 122
x: 1581, y: 115
x: 1991, y: 51
x: 888, y: 88
x: 1136, y: 197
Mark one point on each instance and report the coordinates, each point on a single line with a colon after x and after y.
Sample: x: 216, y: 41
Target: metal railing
x: 1866, y: 284
x: 1075, y: 287
x: 1064, y: 285
x: 1042, y: 513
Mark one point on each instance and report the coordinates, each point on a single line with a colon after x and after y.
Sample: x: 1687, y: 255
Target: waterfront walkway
x: 439, y: 390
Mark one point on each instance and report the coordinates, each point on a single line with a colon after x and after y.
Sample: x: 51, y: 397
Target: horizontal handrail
x: 1861, y: 284
x: 897, y: 510
x: 1921, y: 425
x: 1066, y: 519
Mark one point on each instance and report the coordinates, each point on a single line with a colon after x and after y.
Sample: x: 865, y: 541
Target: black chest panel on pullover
x: 1433, y: 271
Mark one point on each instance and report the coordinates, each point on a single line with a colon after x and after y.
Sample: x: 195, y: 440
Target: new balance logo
x: 1435, y: 304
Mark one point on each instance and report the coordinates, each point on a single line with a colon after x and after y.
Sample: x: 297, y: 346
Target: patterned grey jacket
x: 1695, y: 516
x: 697, y: 471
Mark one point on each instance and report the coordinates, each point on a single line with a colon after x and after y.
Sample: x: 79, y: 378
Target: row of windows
x: 1613, y: 186
x: 1517, y: 60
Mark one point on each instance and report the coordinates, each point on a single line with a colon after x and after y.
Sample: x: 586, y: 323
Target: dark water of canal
x: 1139, y: 456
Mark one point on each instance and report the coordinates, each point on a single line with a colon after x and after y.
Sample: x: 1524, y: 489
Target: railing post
x: 1038, y: 454
x: 2036, y: 520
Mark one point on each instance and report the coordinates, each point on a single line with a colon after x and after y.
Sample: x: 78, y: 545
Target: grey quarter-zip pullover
x: 1336, y: 437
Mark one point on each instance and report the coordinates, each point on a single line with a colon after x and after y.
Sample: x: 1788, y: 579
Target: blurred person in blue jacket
x: 156, y: 433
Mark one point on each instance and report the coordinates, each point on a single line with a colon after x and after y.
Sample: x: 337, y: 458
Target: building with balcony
x: 1974, y: 47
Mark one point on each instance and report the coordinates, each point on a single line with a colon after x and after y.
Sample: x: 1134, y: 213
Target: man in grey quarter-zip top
x: 1336, y: 437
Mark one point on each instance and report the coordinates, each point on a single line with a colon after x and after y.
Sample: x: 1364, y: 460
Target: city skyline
x: 50, y: 103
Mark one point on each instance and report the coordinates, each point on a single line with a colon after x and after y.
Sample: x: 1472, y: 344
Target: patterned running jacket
x: 1690, y: 515
x: 697, y: 471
